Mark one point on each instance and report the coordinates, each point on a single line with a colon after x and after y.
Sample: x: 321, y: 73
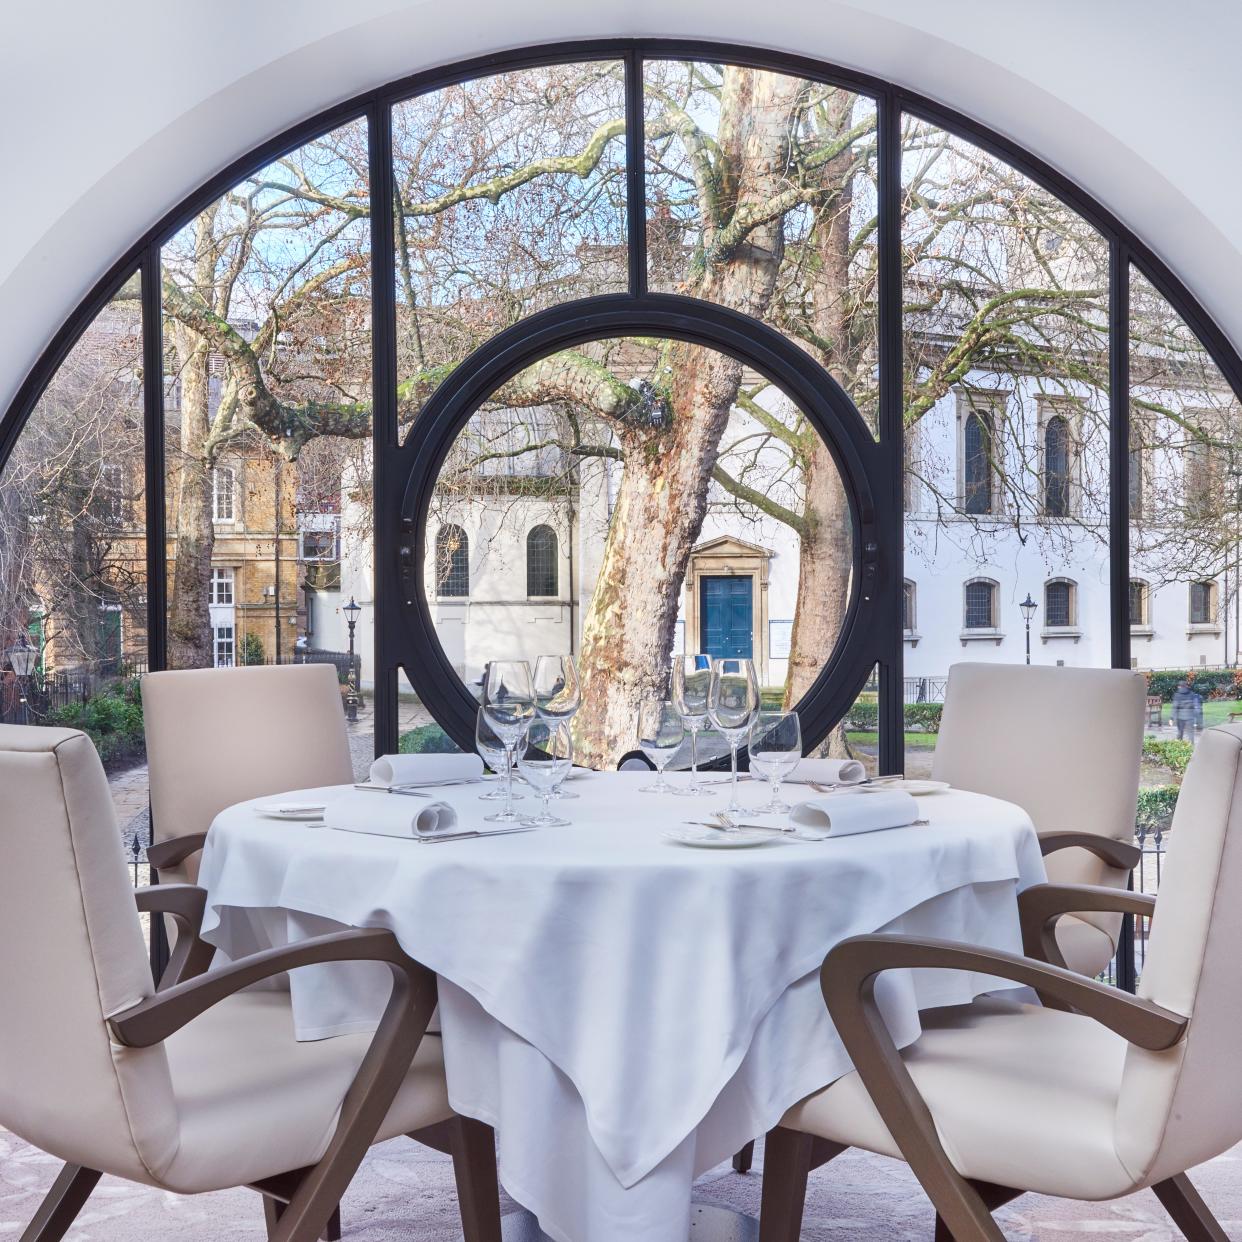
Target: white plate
x: 911, y: 786
x: 292, y: 810
x: 715, y: 839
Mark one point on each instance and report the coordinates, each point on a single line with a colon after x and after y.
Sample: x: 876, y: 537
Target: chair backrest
x: 71, y: 956
x: 1184, y: 1106
x: 219, y: 736
x: 1064, y: 744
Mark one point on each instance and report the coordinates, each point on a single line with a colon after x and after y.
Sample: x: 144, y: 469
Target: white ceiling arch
x: 113, y: 120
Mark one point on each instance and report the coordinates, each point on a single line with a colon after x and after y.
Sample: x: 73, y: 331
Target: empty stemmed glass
x: 692, y: 680
x: 732, y: 701
x: 544, y: 762
x: 660, y: 733
x: 509, y: 707
x: 775, y: 746
x: 558, y: 696
x: 491, y: 749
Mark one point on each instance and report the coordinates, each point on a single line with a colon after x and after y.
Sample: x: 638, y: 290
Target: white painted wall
x: 113, y: 113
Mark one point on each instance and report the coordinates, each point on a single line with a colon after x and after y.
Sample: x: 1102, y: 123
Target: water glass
x: 491, y: 749
x: 509, y: 708
x: 732, y: 703
x: 692, y: 680
x: 558, y: 695
x: 775, y: 748
x: 660, y: 734
x: 544, y: 762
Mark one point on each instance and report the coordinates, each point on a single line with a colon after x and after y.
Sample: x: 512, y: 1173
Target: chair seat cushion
x: 253, y: 1102
x: 1022, y: 1096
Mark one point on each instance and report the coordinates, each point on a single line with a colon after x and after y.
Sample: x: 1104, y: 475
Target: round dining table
x: 625, y: 1011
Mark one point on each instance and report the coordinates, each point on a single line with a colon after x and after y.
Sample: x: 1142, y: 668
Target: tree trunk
x: 627, y: 635
x: 189, y: 620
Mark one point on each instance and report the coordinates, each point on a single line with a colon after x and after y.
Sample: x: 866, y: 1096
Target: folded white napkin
x: 388, y: 815
x: 842, y: 815
x: 424, y: 769
x: 830, y: 771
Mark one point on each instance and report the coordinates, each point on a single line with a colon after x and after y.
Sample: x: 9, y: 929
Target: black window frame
x: 1058, y: 477
x: 452, y: 572
x: 970, y: 605
x: 543, y: 562
x: 1060, y: 604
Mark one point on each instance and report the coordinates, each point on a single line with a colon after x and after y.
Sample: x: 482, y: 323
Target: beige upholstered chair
x: 219, y: 736
x: 1065, y: 745
x: 1092, y: 1102
x: 198, y: 1086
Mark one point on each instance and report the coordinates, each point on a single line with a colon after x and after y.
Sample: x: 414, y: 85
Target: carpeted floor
x: 405, y: 1192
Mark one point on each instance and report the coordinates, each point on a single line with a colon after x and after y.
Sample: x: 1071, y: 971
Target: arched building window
x: 977, y: 463
x: 1060, y: 604
x: 1139, y: 604
x: 909, y: 616
x: 542, y: 562
x: 1203, y: 603
x: 979, y: 604
x: 1057, y: 466
x: 452, y: 563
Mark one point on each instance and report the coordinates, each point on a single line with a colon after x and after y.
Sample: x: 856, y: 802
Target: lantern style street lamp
x: 23, y: 656
x: 1028, y: 607
x: 351, y: 611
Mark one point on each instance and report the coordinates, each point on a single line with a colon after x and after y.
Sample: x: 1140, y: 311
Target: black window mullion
x: 635, y: 173
x: 153, y: 460
x: 385, y: 550
x: 1119, y: 452
x: 892, y: 433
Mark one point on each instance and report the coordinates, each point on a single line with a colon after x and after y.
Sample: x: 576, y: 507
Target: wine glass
x: 775, y: 749
x: 732, y: 701
x: 544, y: 761
x: 509, y: 707
x: 558, y: 695
x: 692, y: 679
x: 491, y: 749
x: 660, y: 733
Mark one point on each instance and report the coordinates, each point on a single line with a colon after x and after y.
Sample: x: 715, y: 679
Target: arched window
x: 452, y: 563
x: 1203, y: 603
x: 1060, y: 604
x: 542, y: 576
x: 1057, y: 466
x: 979, y: 604
x: 1139, y: 598
x: 908, y: 599
x: 977, y: 463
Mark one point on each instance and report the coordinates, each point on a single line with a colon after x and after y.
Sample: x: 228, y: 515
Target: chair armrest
x: 1041, y: 905
x: 848, y: 979
x: 851, y: 968
x: 1121, y: 854
x: 175, y: 850
x: 184, y: 904
x: 155, y: 1019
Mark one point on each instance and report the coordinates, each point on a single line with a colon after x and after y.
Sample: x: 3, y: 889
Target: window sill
x: 1212, y: 630
x: 1142, y: 631
x: 1060, y: 631
x: 981, y: 636
x: 911, y: 636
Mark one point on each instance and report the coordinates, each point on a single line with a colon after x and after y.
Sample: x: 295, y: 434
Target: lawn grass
x: 914, y: 741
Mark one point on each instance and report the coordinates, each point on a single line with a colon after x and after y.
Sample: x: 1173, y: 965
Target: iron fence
x: 1146, y: 879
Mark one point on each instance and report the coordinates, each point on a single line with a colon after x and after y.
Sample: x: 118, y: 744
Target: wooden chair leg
x: 1190, y: 1214
x: 788, y: 1157
x: 272, y: 1209
x: 332, y: 1233
x: 61, y: 1204
x: 473, y: 1145
x: 992, y: 1196
x: 744, y: 1158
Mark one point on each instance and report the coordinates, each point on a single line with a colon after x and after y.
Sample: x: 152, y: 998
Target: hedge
x: 1155, y: 808
x: 428, y: 739
x: 924, y: 717
x: 1169, y: 753
x: 1211, y: 683
x: 112, y: 719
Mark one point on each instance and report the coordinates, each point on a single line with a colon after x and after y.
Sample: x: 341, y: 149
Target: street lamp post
x: 1028, y: 607
x: 23, y: 656
x: 351, y: 611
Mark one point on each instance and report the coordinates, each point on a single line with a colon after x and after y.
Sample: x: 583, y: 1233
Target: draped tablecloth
x: 625, y: 1011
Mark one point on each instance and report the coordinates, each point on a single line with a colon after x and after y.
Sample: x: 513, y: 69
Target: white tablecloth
x: 626, y: 1012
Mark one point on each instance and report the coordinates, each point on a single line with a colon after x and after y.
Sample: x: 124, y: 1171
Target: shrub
x: 1211, y: 683
x: 112, y: 719
x: 1169, y: 753
x: 863, y: 718
x: 1155, y: 808
x: 924, y: 716
x: 428, y: 739
x: 252, y: 649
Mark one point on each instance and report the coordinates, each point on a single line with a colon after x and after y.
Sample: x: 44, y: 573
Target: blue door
x: 726, y: 606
